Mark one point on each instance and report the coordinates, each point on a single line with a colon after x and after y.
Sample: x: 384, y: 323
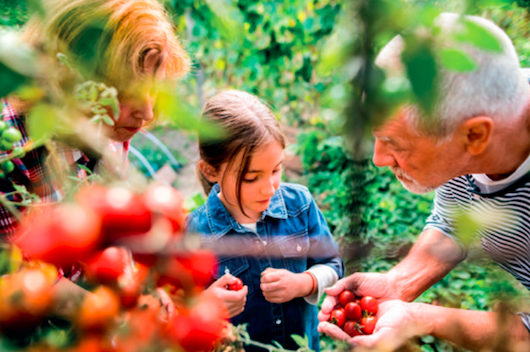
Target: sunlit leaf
x: 229, y: 18
x: 43, y: 121
x: 457, y: 60
x: 479, y: 36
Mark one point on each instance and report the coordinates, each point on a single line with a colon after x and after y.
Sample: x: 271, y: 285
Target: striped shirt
x: 503, y: 215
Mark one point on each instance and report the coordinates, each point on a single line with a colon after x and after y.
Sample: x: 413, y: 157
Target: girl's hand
x: 234, y: 300
x: 280, y: 285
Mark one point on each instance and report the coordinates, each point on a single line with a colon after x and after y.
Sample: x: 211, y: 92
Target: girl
x: 269, y: 234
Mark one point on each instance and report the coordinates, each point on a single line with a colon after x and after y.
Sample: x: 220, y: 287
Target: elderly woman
x: 126, y: 44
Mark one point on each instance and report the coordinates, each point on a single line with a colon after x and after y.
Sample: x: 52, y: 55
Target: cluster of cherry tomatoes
x: 356, y: 316
x: 9, y: 136
x: 127, y: 245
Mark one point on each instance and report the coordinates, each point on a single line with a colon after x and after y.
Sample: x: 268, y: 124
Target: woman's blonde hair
x: 112, y: 36
x: 247, y: 124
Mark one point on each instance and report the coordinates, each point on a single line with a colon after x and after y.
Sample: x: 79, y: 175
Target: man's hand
x: 397, y: 322
x: 361, y: 284
x: 280, y: 285
x: 234, y: 300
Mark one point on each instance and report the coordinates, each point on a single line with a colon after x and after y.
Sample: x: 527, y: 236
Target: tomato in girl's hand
x: 345, y: 297
x: 368, y: 324
x: 353, y: 311
x: 338, y: 317
x: 369, y: 305
x: 352, y: 328
x: 236, y: 285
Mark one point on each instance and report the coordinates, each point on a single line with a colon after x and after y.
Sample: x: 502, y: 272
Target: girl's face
x: 258, y: 185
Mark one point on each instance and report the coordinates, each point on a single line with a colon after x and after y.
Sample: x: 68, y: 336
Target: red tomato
x: 353, y: 311
x: 106, y: 266
x: 61, y: 235
x: 369, y: 305
x: 122, y: 212
x: 98, y: 310
x: 25, y: 297
x: 368, y: 324
x: 352, y: 328
x: 168, y: 202
x: 189, y: 270
x: 199, y: 327
x: 236, y: 285
x: 345, y: 297
x: 338, y: 317
x: 131, y: 284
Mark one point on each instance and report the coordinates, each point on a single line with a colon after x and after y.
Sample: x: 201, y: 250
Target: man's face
x: 421, y: 163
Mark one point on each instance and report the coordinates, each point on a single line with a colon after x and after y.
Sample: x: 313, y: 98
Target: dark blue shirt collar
x: 221, y: 221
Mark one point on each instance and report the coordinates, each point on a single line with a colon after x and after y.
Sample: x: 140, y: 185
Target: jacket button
x: 298, y: 248
x: 278, y: 322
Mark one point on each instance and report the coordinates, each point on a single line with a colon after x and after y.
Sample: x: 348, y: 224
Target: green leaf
x: 300, y: 341
x: 420, y: 63
x: 457, y: 60
x: 106, y: 118
x: 43, y: 121
x: 480, y: 37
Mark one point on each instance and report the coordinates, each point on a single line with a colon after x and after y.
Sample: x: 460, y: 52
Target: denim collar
x: 221, y: 221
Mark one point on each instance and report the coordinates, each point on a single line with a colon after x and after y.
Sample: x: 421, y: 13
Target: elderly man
x: 474, y: 152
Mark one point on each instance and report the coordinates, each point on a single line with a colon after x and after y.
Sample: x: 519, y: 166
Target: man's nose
x: 382, y: 156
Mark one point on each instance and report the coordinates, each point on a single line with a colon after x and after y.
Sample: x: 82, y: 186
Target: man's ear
x: 476, y: 133
x: 208, y: 171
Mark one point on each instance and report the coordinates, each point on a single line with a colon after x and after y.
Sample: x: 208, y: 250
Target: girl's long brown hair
x: 247, y: 124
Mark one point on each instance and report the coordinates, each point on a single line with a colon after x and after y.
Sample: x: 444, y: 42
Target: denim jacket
x: 291, y: 234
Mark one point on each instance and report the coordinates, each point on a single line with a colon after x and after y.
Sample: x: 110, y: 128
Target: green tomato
x: 19, y: 152
x: 3, y: 125
x: 12, y: 135
x: 7, y: 166
x: 5, y: 145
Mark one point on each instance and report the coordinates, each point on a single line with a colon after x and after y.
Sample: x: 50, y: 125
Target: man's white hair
x: 496, y: 88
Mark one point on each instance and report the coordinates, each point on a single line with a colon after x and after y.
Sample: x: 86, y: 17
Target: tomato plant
x: 122, y: 212
x: 198, y: 327
x: 98, y: 310
x: 61, y: 235
x: 106, y: 266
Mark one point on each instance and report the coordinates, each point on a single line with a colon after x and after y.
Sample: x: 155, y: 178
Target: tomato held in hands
x: 338, y: 317
x: 352, y: 328
x: 368, y: 324
x: 345, y: 297
x: 369, y: 305
x: 353, y: 311
x: 236, y: 285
